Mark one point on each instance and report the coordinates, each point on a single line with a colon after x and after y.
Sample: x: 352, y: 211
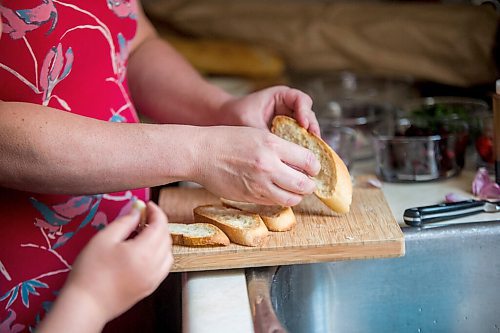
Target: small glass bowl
x: 403, y: 154
x: 346, y: 99
x: 342, y: 140
x: 357, y: 115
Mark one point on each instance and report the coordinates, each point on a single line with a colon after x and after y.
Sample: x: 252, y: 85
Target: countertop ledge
x: 216, y: 301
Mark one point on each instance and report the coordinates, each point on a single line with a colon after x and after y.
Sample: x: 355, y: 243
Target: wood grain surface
x: 369, y: 230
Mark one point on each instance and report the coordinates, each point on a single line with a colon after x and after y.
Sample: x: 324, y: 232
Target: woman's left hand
x: 259, y: 108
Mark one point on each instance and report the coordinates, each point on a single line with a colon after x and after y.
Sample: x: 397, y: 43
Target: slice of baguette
x: 197, y: 234
x: 333, y: 183
x: 241, y: 227
x: 276, y: 218
x: 141, y: 207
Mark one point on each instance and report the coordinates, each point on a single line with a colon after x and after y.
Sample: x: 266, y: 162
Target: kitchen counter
x: 216, y: 301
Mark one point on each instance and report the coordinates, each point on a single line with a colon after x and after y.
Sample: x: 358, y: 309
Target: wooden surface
x: 368, y: 231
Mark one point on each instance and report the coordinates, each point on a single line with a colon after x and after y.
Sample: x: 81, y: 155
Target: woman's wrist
x: 176, y: 151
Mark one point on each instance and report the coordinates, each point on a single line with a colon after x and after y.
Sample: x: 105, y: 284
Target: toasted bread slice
x: 333, y: 183
x: 241, y: 227
x: 197, y: 234
x: 141, y: 207
x: 276, y: 218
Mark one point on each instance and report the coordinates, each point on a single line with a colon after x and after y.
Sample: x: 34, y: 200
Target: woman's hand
x: 250, y: 164
x: 114, y: 272
x: 258, y: 109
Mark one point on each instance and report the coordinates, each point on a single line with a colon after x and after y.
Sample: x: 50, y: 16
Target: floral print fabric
x: 70, y: 55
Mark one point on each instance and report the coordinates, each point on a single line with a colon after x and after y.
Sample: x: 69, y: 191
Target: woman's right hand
x: 254, y: 165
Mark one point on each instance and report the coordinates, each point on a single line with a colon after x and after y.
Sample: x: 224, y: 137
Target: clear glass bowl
x: 342, y: 140
x: 362, y: 117
x: 403, y: 154
x: 346, y: 99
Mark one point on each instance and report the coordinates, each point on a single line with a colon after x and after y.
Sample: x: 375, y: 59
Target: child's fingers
x: 122, y: 227
x: 155, y: 214
x: 164, y: 266
x: 161, y: 254
x: 155, y: 239
x: 157, y: 229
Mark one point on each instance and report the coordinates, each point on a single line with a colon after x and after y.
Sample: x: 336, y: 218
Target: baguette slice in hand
x: 141, y: 207
x: 197, y: 234
x: 333, y: 183
x: 241, y: 227
x: 276, y: 218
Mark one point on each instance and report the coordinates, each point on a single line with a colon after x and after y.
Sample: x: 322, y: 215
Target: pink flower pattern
x: 7, y: 326
x: 123, y: 8
x: 52, y: 71
x: 18, y: 23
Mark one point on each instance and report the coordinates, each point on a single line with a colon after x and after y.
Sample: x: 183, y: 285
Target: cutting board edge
x: 220, y: 251
x: 210, y: 262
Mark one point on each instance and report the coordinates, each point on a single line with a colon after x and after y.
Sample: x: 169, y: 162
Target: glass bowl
x: 342, y: 140
x: 362, y: 117
x: 346, y: 99
x: 409, y: 150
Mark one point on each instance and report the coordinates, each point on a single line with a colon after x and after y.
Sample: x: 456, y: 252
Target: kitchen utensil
x: 369, y: 230
x: 418, y: 216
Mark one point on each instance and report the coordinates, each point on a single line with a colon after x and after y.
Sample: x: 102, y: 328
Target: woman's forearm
x: 166, y: 88
x: 51, y: 151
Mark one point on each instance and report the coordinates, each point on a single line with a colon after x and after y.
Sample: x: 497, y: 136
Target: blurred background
x: 370, y: 67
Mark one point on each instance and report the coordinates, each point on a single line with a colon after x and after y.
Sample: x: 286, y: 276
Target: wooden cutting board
x: 368, y: 231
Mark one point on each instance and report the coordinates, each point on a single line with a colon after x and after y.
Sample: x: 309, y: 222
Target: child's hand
x: 116, y: 272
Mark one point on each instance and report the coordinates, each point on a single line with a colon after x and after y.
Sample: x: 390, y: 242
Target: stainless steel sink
x: 448, y: 281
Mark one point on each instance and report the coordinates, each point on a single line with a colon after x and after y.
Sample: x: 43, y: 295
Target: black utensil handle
x: 420, y: 215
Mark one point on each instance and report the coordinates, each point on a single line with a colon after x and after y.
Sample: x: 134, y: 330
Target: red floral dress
x: 70, y: 55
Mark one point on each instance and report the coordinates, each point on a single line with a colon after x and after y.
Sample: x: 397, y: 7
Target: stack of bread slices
x: 248, y: 223
x: 239, y: 222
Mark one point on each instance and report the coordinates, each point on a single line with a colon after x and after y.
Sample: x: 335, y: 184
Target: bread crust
x: 253, y: 235
x: 217, y: 238
x: 334, y: 186
x: 276, y: 218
